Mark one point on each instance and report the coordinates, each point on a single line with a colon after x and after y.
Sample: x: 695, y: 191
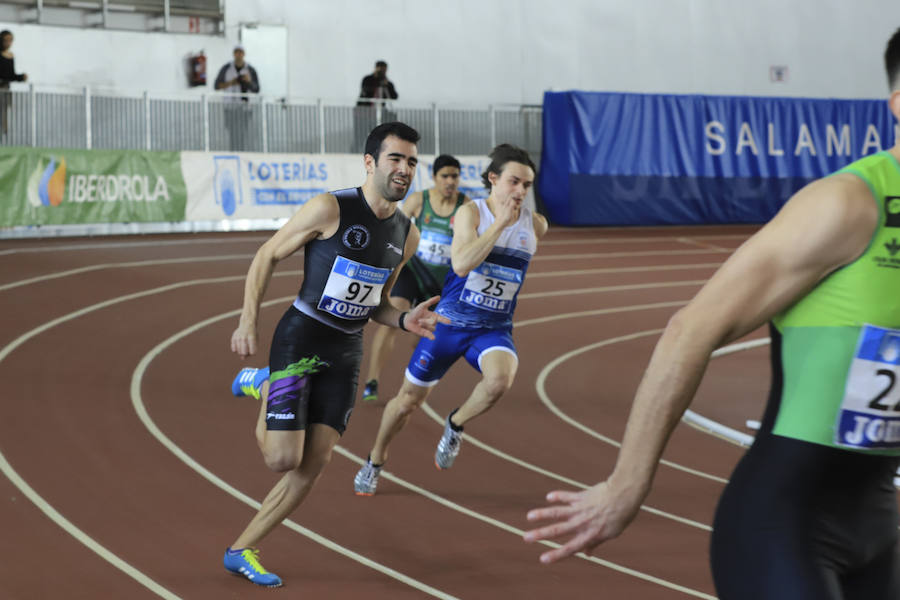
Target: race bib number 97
x: 870, y: 411
x: 492, y: 287
x: 353, y: 289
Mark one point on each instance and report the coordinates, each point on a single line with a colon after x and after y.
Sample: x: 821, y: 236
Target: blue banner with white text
x: 645, y: 159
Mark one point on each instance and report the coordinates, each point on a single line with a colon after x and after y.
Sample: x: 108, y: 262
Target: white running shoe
x: 448, y: 447
x: 366, y: 479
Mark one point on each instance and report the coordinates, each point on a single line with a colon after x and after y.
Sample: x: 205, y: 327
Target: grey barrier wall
x: 84, y: 119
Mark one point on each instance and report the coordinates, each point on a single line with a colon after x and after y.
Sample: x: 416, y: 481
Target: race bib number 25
x: 353, y: 289
x: 870, y: 411
x: 492, y: 287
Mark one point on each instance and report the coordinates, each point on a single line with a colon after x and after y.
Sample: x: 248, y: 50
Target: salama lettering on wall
x: 830, y: 140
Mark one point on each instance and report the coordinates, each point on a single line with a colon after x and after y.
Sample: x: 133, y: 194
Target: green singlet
x: 840, y: 344
x: 433, y: 253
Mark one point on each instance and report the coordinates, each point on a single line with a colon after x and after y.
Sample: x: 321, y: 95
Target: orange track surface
x: 82, y: 324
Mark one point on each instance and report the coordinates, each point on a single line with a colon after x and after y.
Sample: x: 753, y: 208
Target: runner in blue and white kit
x: 493, y: 242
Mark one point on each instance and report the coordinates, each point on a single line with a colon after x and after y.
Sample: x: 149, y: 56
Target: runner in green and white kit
x: 839, y: 344
x: 810, y: 512
x: 423, y: 276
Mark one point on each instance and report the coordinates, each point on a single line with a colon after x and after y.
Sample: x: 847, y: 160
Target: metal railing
x: 87, y: 119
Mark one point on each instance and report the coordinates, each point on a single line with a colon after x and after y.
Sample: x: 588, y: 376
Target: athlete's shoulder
x: 412, y: 205
x: 469, y: 210
x: 324, y: 201
x: 540, y: 224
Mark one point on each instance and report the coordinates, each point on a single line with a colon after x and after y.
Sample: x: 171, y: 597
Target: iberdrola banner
x: 74, y: 190
x: 72, y: 187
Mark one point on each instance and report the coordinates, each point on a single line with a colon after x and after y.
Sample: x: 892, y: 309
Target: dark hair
x: 376, y: 138
x: 5, y: 32
x: 503, y: 154
x: 444, y: 160
x: 892, y: 60
x: 380, y: 63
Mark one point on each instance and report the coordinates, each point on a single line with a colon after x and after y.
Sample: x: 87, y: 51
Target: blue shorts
x: 432, y: 358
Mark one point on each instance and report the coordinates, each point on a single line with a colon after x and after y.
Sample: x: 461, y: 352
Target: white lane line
x: 229, y: 257
x: 170, y: 287
x: 155, y: 244
x: 80, y: 535
x: 139, y: 407
x: 518, y: 532
x: 518, y: 324
x: 100, y: 550
x: 44, y: 506
x: 611, y: 288
x: 551, y: 475
x: 718, y: 429
x: 545, y: 257
x: 122, y: 265
x: 557, y: 273
x: 541, y: 382
x: 639, y: 240
x: 260, y: 239
x: 695, y: 242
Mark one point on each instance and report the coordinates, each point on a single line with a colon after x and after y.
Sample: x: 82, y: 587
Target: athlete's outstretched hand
x: 593, y: 516
x: 243, y: 341
x: 422, y: 321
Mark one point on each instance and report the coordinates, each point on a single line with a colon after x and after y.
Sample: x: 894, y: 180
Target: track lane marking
x: 145, y: 418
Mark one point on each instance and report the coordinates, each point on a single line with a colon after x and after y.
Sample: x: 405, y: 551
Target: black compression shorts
x: 326, y: 396
x: 407, y: 286
x: 802, y: 521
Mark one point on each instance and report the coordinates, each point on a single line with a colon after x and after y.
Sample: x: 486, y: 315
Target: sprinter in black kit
x: 355, y: 242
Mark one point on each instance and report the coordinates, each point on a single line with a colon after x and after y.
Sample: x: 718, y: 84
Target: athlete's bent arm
x: 468, y: 249
x: 419, y: 320
x: 824, y: 226
x: 318, y: 217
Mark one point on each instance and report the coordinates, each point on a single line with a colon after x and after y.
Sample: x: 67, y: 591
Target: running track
x: 129, y: 467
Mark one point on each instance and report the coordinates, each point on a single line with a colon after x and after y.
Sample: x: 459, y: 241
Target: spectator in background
x: 375, y: 89
x: 237, y: 77
x: 7, y: 74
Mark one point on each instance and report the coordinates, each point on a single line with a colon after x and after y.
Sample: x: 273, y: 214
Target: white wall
x: 496, y: 51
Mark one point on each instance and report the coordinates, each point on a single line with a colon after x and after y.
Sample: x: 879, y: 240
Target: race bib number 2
x: 353, y: 289
x: 492, y: 287
x: 870, y: 411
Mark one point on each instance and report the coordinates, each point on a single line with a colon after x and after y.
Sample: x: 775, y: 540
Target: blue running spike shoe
x: 248, y: 381
x: 370, y: 392
x: 245, y: 562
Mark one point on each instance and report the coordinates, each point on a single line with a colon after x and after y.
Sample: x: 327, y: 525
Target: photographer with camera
x: 375, y: 89
x: 237, y: 77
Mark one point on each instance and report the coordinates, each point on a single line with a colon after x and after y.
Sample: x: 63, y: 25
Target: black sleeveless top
x: 344, y: 275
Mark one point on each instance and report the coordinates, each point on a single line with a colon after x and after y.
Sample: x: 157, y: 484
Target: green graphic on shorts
x: 301, y: 368
x: 893, y: 206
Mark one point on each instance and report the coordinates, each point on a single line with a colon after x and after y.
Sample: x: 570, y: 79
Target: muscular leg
x: 879, y: 579
x: 498, y: 369
x: 383, y: 342
x: 293, y: 486
x: 395, y: 416
x: 282, y: 450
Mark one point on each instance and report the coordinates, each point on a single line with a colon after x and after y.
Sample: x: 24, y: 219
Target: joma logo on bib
x: 345, y: 309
